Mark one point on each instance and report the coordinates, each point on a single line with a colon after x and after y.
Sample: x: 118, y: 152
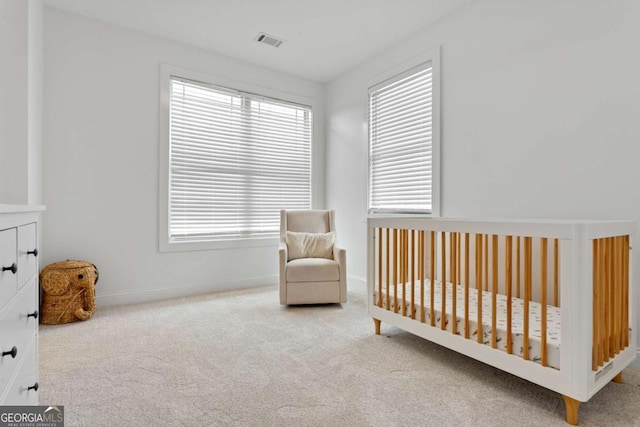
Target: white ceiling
x: 324, y: 38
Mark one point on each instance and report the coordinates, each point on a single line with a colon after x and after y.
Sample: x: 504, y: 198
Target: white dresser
x: 19, y: 304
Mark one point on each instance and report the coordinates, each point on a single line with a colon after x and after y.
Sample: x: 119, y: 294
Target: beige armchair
x: 311, y: 280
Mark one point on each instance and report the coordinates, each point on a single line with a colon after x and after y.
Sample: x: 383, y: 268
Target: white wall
x: 34, y: 102
x: 20, y: 101
x: 100, y: 166
x: 540, y: 108
x: 14, y: 25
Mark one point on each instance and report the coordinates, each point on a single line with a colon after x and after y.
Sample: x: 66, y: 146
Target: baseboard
x: 636, y: 363
x: 356, y: 280
x: 155, y: 294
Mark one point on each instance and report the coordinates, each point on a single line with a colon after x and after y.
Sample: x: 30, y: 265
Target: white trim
x: 357, y: 280
x: 21, y: 208
x: 207, y: 245
x: 155, y: 294
x: 166, y: 71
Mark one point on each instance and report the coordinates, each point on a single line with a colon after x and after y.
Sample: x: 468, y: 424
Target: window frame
x: 432, y: 56
x: 165, y: 244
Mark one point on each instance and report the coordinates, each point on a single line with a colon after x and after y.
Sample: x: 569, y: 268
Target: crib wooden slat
x: 466, y: 285
x: 453, y: 255
x: 451, y: 258
x: 405, y: 283
x: 494, y: 291
x: 618, y: 294
x: 508, y: 251
x: 596, y: 303
x: 421, y: 272
x: 403, y: 271
x: 380, y: 267
x: 458, y: 258
x: 456, y: 282
x: 619, y: 262
x: 621, y: 294
x: 620, y: 305
x: 400, y: 298
x: 458, y: 276
x: 517, y: 266
x: 612, y: 333
x: 607, y: 297
x: 486, y: 263
x: 543, y: 301
x: 612, y: 313
x: 406, y: 268
x: 406, y: 271
x: 443, y: 283
x: 612, y: 279
x: 603, y: 350
x: 620, y: 313
x: 413, y: 274
x: 401, y: 304
x: 527, y: 294
x: 614, y: 292
x: 614, y: 283
x: 556, y: 274
x: 432, y: 279
x: 387, y: 258
x: 625, y: 284
x: 479, y: 284
x: 625, y: 299
x: 400, y: 265
x: 395, y: 269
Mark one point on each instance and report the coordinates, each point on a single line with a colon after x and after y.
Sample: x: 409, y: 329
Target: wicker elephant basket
x: 68, y: 292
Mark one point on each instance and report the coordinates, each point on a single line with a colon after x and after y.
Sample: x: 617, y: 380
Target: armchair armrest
x: 283, y: 253
x: 282, y: 258
x: 340, y: 255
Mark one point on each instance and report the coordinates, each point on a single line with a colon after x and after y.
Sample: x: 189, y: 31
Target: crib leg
x: 572, y: 410
x: 617, y: 378
x: 377, y: 323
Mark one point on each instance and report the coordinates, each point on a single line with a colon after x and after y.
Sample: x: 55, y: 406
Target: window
x: 235, y: 159
x: 404, y: 142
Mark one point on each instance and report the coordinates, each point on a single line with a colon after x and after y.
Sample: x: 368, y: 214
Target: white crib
x: 548, y: 301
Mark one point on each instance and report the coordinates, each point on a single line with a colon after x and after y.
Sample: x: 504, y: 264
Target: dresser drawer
x: 22, y: 391
x: 27, y: 253
x: 8, y: 280
x: 17, y: 329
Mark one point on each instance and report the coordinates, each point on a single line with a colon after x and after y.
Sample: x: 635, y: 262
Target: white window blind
x: 401, y: 143
x: 235, y: 159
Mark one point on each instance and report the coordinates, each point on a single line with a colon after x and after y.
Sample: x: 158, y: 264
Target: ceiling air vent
x: 269, y: 39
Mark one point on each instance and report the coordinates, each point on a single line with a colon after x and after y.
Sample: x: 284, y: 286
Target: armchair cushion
x: 312, y: 270
x: 310, y: 245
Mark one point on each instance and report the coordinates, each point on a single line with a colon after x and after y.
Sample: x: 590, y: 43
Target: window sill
x: 222, y: 244
x: 402, y: 215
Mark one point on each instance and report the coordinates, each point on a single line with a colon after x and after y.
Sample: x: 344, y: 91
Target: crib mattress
x: 517, y: 321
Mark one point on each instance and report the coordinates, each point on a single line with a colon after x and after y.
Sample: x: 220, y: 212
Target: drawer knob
x: 34, y: 314
x: 33, y: 252
x: 33, y: 387
x: 13, y: 268
x: 13, y: 352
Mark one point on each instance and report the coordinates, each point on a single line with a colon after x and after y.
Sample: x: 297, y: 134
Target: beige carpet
x: 241, y: 359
